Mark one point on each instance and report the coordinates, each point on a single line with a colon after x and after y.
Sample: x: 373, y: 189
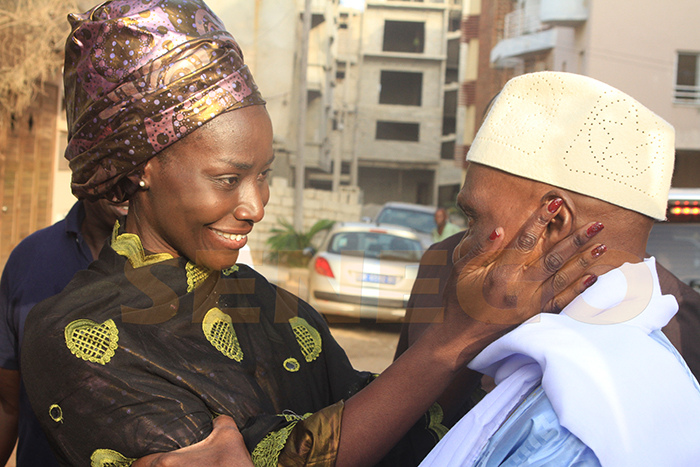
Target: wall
x: 634, y: 49
x: 343, y: 205
x: 27, y: 149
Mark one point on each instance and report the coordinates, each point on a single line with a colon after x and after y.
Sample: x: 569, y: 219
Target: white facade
x: 633, y: 46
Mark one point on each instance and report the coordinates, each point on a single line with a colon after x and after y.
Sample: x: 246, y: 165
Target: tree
x: 32, y: 35
x: 288, y: 244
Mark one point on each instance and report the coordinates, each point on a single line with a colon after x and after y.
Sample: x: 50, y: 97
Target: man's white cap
x: 582, y: 135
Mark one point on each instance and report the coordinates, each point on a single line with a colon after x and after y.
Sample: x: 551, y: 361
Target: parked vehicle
x: 364, y: 270
x: 676, y: 243
x: 414, y: 216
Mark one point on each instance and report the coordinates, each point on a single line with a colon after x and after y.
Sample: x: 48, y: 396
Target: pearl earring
x: 142, y: 184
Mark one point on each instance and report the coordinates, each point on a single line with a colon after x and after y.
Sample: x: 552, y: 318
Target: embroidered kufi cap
x: 139, y: 75
x: 582, y: 135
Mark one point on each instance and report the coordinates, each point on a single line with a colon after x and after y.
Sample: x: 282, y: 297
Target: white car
x: 364, y: 271
x: 414, y: 216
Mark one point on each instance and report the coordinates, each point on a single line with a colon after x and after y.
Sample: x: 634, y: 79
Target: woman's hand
x: 223, y: 447
x: 504, y: 285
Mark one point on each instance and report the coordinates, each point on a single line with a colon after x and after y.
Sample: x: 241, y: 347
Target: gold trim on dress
x: 267, y: 452
x: 219, y: 331
x: 308, y: 338
x: 130, y: 246
x: 291, y: 365
x: 91, y: 341
x: 435, y: 416
x: 109, y: 458
x: 56, y: 413
x: 195, y: 275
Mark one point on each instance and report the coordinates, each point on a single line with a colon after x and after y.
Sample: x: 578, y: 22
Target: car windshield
x: 677, y: 247
x: 421, y: 221
x: 376, y: 245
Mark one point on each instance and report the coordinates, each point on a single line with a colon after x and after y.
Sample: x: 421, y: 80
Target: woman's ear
x: 141, y: 178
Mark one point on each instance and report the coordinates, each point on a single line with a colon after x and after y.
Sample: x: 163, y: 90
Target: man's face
x: 490, y: 199
x: 440, y: 217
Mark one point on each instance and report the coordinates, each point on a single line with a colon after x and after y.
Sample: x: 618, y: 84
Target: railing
x: 686, y: 94
x: 523, y: 21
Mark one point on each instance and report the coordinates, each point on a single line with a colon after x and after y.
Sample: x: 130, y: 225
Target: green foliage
x: 287, y: 244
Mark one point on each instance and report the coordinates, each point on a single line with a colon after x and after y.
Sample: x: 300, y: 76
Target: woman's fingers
x: 523, y: 245
x: 562, y: 252
x: 481, y: 253
x: 223, y: 447
x: 560, y: 301
x: 572, y: 279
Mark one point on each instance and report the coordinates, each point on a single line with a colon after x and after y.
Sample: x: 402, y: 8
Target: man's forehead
x: 485, y: 185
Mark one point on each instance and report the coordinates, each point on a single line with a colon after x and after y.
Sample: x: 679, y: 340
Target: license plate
x: 378, y: 278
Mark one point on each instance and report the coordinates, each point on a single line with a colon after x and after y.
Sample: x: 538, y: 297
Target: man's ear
x: 563, y: 223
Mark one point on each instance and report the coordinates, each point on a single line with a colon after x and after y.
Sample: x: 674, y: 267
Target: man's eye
x: 264, y: 175
x: 230, y: 180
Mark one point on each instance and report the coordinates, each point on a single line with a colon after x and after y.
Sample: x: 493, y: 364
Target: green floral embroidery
x: 291, y: 365
x: 218, y: 329
x: 129, y: 245
x: 195, y: 275
x: 109, y: 458
x: 56, y: 413
x: 229, y: 271
x: 92, y: 341
x: 308, y: 338
x: 435, y: 416
x: 267, y: 452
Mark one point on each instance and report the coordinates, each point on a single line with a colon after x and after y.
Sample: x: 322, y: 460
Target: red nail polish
x: 554, y: 205
x: 599, y: 250
x: 590, y: 281
x: 594, y: 229
x: 494, y: 235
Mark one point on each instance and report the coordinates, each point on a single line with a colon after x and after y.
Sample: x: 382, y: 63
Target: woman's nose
x: 251, y: 204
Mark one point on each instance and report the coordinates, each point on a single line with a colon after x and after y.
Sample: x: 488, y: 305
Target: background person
x: 163, y: 332
x: 38, y: 268
x: 444, y: 227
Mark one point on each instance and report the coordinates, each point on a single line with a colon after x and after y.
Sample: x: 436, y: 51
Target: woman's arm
x: 479, y: 308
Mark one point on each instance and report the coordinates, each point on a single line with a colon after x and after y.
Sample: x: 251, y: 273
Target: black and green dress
x: 140, y: 352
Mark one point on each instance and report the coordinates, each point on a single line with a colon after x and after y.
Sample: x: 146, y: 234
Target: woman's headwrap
x: 139, y: 75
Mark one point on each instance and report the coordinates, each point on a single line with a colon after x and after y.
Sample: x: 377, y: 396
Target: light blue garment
x: 533, y: 437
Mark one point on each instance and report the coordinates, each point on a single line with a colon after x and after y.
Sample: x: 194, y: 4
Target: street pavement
x: 370, y: 346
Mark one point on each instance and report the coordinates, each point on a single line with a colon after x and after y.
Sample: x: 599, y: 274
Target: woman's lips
x: 234, y: 240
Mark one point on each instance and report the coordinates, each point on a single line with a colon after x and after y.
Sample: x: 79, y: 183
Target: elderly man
x: 598, y: 384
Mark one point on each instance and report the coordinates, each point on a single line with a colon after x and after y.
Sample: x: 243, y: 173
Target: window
x: 397, y: 131
x: 404, y: 36
x: 340, y: 71
x: 687, y: 89
x: 401, y: 88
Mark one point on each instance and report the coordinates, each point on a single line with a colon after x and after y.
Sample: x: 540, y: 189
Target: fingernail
x: 494, y: 235
x: 594, y: 229
x: 554, y: 205
x: 590, y: 281
x: 599, y: 250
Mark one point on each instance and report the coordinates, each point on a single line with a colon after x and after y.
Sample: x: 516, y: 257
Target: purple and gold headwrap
x: 139, y: 75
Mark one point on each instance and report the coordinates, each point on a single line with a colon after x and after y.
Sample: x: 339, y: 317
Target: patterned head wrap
x: 139, y: 75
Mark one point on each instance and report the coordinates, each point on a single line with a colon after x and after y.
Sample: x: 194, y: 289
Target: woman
x: 164, y: 332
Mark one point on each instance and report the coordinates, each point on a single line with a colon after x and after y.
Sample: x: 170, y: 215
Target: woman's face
x: 203, y: 197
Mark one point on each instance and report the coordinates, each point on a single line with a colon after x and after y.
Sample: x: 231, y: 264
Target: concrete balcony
x: 563, y: 12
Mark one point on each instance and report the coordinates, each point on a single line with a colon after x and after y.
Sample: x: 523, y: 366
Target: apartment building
x: 407, y: 101
x: 647, y: 49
